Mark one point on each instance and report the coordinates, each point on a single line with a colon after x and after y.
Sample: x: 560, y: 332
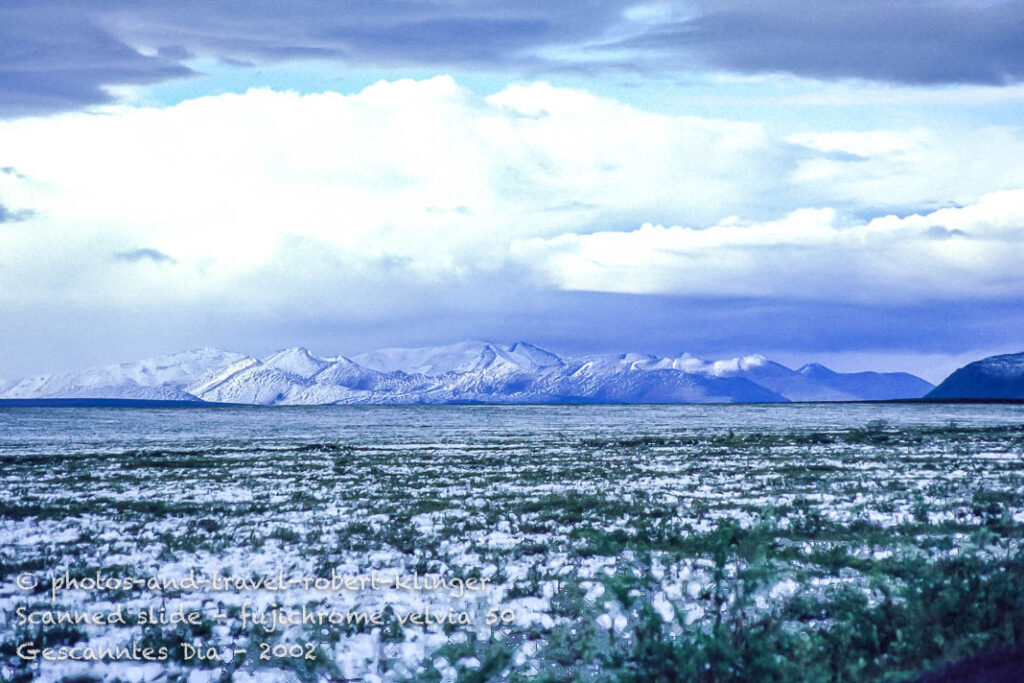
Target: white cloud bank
x: 974, y: 252
x: 269, y: 196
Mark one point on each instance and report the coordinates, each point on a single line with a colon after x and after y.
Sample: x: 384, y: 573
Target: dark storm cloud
x: 54, y: 58
x: 907, y: 41
x: 583, y: 322
x: 58, y: 54
x: 136, y: 255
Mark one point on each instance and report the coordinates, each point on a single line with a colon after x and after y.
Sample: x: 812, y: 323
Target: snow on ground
x: 569, y: 517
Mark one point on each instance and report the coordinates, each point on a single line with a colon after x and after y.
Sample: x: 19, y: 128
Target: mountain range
x: 466, y: 372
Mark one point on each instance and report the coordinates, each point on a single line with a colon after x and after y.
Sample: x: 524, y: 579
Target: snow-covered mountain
x: 297, y: 361
x: 163, y: 378
x: 466, y: 372
x: 992, y: 377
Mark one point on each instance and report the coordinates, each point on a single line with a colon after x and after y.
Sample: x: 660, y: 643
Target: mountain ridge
x: 463, y: 372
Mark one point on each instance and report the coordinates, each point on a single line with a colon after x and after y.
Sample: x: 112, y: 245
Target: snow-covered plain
x: 583, y: 519
x: 466, y: 372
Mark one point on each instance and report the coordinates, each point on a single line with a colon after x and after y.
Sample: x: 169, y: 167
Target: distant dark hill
x: 992, y: 377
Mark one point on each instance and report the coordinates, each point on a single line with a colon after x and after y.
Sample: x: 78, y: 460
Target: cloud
x: 136, y: 255
x: 807, y: 255
x: 420, y: 212
x: 56, y: 58
x: 63, y: 55
x: 412, y: 183
x: 60, y: 55
x: 938, y: 232
x: 9, y: 216
x: 914, y: 167
x: 932, y: 42
x: 422, y: 172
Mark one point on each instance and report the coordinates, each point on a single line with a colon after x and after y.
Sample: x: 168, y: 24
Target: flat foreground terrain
x: 783, y: 542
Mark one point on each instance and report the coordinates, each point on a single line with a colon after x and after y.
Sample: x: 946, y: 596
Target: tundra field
x: 804, y: 542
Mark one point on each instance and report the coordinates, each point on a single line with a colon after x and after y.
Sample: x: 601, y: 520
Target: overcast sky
x: 839, y: 181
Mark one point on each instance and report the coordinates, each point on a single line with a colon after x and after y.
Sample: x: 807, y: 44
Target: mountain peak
x: 521, y: 346
x: 297, y: 361
x: 290, y: 352
x: 527, y: 356
x: 813, y: 369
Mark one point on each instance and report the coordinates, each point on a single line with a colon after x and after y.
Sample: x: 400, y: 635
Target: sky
x: 838, y: 182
